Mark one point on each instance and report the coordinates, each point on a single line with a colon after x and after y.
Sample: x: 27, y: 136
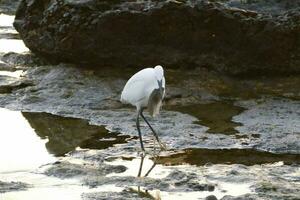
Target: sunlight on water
x: 12, y: 45
x: 8, y: 30
x: 133, y: 167
x: 20, y: 147
x: 23, y: 157
x: 55, y: 188
x: 15, y: 74
x: 159, y: 171
x: 67, y: 193
x: 236, y: 189
x: 226, y: 189
x: 6, y: 20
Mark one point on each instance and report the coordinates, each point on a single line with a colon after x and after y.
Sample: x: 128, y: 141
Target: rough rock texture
x: 72, y: 92
x: 12, y: 186
x: 217, y: 35
x: 267, y: 181
x: 272, y: 119
x: 9, y: 6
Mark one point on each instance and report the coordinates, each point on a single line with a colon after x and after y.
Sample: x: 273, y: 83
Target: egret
x: 145, y: 89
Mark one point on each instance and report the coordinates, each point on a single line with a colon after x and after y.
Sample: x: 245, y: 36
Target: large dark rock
x: 233, y: 36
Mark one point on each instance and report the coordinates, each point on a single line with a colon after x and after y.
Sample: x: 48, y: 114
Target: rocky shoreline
x: 228, y: 137
x: 232, y: 37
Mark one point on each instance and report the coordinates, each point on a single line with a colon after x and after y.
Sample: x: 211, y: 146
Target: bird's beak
x: 161, y: 89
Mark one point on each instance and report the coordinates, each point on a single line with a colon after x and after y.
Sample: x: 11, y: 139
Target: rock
x: 8, y: 84
x: 226, y: 36
x: 22, y: 60
x: 269, y: 116
x: 9, y: 6
x: 243, y: 197
x: 69, y: 170
x: 126, y: 194
x: 247, y: 185
x: 211, y: 197
x: 5, y: 67
x: 12, y: 186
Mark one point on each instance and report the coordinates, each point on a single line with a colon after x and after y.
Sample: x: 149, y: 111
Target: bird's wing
x: 137, y: 86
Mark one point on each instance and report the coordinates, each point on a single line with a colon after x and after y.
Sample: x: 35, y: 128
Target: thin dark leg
x: 141, y: 165
x: 154, y: 133
x: 152, y: 167
x: 139, y: 130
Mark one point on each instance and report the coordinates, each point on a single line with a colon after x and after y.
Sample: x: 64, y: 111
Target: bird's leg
x: 139, y: 130
x: 162, y: 146
x: 152, y: 167
x: 141, y: 165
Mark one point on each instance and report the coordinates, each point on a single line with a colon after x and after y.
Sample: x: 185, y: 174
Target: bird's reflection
x: 64, y: 134
x: 140, y: 192
x: 142, y: 163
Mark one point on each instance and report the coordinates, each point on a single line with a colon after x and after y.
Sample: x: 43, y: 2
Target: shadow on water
x: 217, y: 115
x: 226, y: 156
x: 65, y: 134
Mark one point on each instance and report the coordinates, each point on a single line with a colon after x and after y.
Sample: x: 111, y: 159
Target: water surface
x: 20, y: 148
x: 216, y: 115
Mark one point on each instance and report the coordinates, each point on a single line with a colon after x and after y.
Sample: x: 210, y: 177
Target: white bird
x: 145, y: 89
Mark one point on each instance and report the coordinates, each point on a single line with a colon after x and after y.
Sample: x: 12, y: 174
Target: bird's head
x: 159, y: 74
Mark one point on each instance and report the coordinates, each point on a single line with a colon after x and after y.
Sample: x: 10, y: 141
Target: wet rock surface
x: 71, y: 92
x: 234, y: 37
x: 255, y: 181
x: 272, y: 120
x: 13, y: 186
x: 252, y: 122
x: 125, y: 194
x: 9, y: 6
x: 69, y: 170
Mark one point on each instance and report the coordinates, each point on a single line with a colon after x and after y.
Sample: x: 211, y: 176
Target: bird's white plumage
x: 140, y: 86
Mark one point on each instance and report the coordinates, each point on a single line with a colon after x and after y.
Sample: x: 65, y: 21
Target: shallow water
x: 217, y: 115
x: 20, y: 148
x: 247, y: 157
x: 8, y: 41
x: 66, y: 134
x: 38, y: 137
